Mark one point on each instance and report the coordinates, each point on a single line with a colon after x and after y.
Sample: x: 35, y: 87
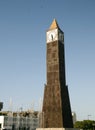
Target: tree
x: 85, y: 124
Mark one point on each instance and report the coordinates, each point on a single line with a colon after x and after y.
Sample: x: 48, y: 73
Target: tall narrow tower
x: 56, y: 103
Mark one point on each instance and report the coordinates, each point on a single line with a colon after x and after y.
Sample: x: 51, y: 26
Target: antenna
x: 10, y: 114
x: 32, y: 106
x: 40, y: 104
x: 10, y: 104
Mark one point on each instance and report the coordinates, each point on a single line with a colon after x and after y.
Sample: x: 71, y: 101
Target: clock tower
x: 56, y: 104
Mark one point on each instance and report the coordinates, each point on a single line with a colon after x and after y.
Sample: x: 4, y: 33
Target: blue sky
x: 23, y: 25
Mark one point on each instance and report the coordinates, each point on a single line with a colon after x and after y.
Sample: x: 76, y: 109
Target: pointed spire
x: 54, y: 25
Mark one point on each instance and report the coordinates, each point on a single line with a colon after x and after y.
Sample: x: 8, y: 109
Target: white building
x: 6, y: 122
x: 18, y: 123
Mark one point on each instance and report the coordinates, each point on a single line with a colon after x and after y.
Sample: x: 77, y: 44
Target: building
x: 1, y: 105
x: 6, y: 122
x: 20, y: 120
x: 56, y: 103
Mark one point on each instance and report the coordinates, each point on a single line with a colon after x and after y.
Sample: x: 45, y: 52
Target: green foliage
x: 85, y: 125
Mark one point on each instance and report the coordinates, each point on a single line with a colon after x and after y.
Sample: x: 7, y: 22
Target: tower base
x: 57, y: 129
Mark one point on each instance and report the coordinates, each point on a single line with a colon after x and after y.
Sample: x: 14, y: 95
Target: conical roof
x: 54, y: 25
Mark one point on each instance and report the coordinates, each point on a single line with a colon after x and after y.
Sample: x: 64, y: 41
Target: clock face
x: 52, y: 35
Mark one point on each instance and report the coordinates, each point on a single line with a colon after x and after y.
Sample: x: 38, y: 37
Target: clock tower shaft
x: 56, y: 103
